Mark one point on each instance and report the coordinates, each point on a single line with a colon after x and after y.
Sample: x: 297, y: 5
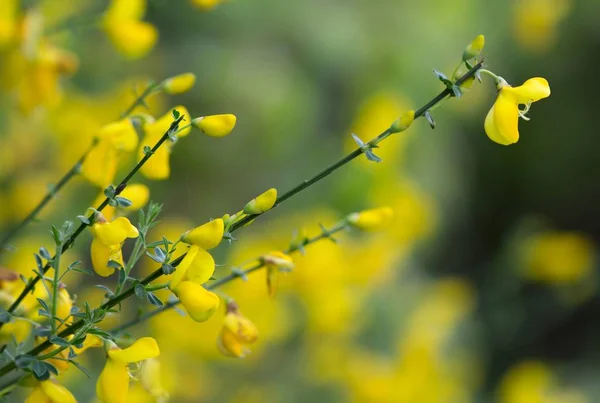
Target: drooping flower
x: 113, y: 383
x: 122, y: 23
x: 194, y: 270
x: 262, y: 203
x: 501, y: 123
x: 107, y: 242
x: 215, y: 125
x: 371, y: 220
x: 179, y: 83
x: 237, y: 333
x: 50, y: 391
x: 206, y: 236
x: 157, y: 166
x: 114, y: 139
x: 276, y: 262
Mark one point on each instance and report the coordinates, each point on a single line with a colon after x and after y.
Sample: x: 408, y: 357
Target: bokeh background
x: 484, y: 288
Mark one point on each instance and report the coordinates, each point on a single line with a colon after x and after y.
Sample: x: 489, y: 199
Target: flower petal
x: 501, y: 122
x: 206, y: 236
x: 113, y: 383
x: 57, y: 393
x: 100, y: 254
x: 182, y: 268
x: 141, y: 349
x: 532, y: 90
x: 199, y: 303
x: 115, y: 232
x: 202, y: 267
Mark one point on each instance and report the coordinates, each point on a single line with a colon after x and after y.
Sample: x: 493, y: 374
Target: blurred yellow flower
x: 178, y: 84
x: 136, y: 193
x: 114, y: 139
x: 403, y: 122
x: 535, y: 22
x: 157, y: 166
x: 122, y: 23
x: 261, y: 203
x: 501, y: 123
x: 206, y: 4
x: 371, y: 220
x: 276, y: 262
x: 237, y: 334
x: 113, y: 383
x: 8, y: 21
x: 107, y: 242
x: 207, y: 235
x: 215, y: 125
x: 556, y: 257
x: 50, y: 392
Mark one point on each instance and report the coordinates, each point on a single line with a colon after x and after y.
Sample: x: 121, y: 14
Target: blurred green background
x: 484, y: 287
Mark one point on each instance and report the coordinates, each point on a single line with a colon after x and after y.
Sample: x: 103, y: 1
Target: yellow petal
x: 113, y: 383
x: 133, y: 39
x: 120, y: 134
x: 501, y: 123
x: 119, y: 10
x: 199, y: 303
x: 100, y: 255
x: 182, y: 268
x: 272, y: 281
x: 141, y: 349
x: 162, y: 124
x: 157, y: 167
x: 137, y: 194
x: 532, y: 90
x: 202, y: 267
x: 242, y: 327
x: 91, y: 341
x: 180, y: 83
x: 57, y: 393
x: 115, y: 232
x: 371, y: 220
x: 206, y: 236
x: 100, y: 166
x: 229, y: 345
x: 216, y: 125
x: 37, y: 395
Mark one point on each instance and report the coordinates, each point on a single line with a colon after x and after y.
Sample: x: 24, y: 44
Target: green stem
x: 31, y: 284
x: 340, y: 163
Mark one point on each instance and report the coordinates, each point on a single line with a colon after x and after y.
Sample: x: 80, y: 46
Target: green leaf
x: 153, y: 299
x: 114, y: 264
x: 81, y: 368
x: 59, y: 341
x: 43, y: 304
x: 5, y: 316
x: 140, y: 291
x: 175, y: 114
x: 24, y: 360
x: 40, y: 371
x: 45, y: 254
x: 123, y: 202
x: 168, y: 269
x: 38, y: 262
x: 84, y: 219
x: 430, y: 119
x: 148, y: 150
x: 109, y: 192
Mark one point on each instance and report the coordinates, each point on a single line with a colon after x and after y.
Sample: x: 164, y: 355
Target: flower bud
x: 262, y: 203
x: 474, y: 48
x: 403, y: 122
x: 206, y: 236
x: 215, y: 125
x: 371, y: 220
x: 179, y: 84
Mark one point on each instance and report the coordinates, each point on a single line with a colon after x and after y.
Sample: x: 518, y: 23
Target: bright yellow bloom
x: 198, y: 302
x: 151, y: 380
x: 107, y: 242
x: 157, y: 167
x: 197, y: 266
x: 136, y: 193
x: 215, y: 125
x: 262, y: 203
x: 114, y: 139
x: 206, y: 5
x: 371, y: 220
x: 180, y: 83
x: 556, y: 257
x: 122, y: 23
x: 113, y: 383
x: 276, y: 262
x: 403, y: 122
x: 237, y: 334
x: 474, y: 48
x: 50, y: 392
x: 206, y: 236
x: 501, y: 123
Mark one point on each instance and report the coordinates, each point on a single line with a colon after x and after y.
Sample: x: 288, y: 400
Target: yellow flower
x: 215, y: 125
x: 371, y: 220
x: 180, y: 83
x: 113, y: 383
x: 206, y: 4
x: 100, y: 165
x: 474, y: 48
x: 157, y: 167
x: 194, y: 270
x: 262, y: 203
x: 8, y: 21
x: 206, y: 236
x: 276, y: 262
x: 63, y: 310
x: 151, y: 380
x: 122, y: 23
x: 403, y: 122
x: 556, y: 257
x: 237, y: 334
x: 535, y: 22
x: 136, y: 193
x: 501, y: 123
x: 50, y: 392
x: 106, y: 245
